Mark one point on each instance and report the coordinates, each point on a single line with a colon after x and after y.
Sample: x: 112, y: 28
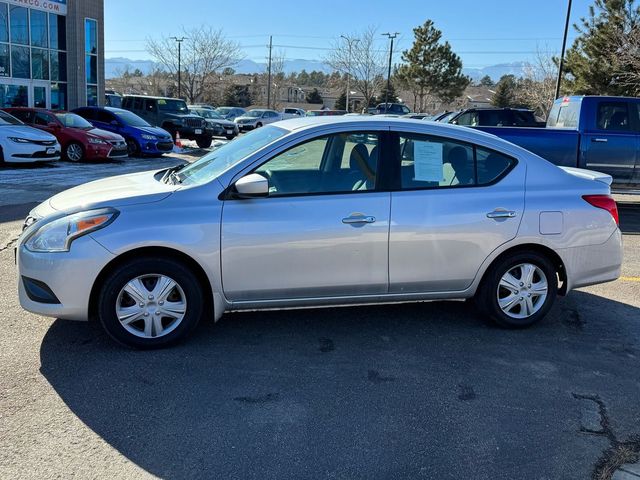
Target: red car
x: 78, y: 138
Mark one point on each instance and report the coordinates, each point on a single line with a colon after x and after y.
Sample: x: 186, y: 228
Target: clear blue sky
x: 485, y: 32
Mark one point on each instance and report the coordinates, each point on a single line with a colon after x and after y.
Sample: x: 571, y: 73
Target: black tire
x: 204, y: 141
x: 230, y: 137
x: 258, y: 125
x: 118, y: 278
x: 172, y: 131
x: 487, y: 295
x: 69, y: 156
x: 132, y: 147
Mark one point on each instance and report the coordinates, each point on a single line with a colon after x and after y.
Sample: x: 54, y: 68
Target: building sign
x: 53, y: 6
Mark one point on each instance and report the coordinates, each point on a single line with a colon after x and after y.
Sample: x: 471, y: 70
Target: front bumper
x: 68, y: 275
x: 31, y: 152
x: 246, y: 126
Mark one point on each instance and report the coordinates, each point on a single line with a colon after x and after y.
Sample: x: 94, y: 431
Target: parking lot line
x: 630, y: 279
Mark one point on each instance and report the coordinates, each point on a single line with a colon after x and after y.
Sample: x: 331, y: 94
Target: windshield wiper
x: 170, y: 176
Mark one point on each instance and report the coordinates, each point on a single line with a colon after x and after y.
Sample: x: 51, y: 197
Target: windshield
x: 254, y: 113
x: 169, y: 105
x: 203, y: 112
x: 130, y: 119
x: 6, y: 119
x: 448, y: 117
x: 213, y: 164
x: 73, y: 120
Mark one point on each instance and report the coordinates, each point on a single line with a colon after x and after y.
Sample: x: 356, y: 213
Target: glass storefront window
x: 59, y: 66
x: 40, y: 97
x: 5, y: 68
x: 92, y: 96
x: 20, y: 62
x: 4, y: 23
x: 19, y: 25
x: 39, y: 64
x: 57, y: 31
x: 91, y: 37
x: 58, y: 96
x: 39, y: 34
x: 91, y: 64
x: 13, y: 96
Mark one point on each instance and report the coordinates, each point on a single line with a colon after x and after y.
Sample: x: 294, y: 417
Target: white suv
x: 20, y: 143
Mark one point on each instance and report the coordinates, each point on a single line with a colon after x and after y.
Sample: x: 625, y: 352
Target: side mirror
x: 252, y: 185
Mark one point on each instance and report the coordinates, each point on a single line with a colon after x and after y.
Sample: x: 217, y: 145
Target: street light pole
x: 350, y: 42
x: 179, y: 41
x: 391, y: 36
x: 564, y: 45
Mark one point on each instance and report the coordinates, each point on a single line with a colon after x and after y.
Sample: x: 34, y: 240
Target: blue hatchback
x: 142, y: 138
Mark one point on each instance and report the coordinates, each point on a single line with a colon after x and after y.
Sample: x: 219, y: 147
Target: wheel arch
x: 549, y: 253
x: 165, y: 252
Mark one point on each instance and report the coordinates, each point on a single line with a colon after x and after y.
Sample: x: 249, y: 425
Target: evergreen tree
x: 433, y: 66
x: 314, y: 96
x: 341, y: 101
x: 236, y: 96
x: 486, y: 81
x: 505, y: 95
x: 393, y: 98
x: 593, y: 63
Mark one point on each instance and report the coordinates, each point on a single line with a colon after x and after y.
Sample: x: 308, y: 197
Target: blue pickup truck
x: 597, y: 133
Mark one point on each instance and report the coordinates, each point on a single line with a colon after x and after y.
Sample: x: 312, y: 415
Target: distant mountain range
x: 114, y: 67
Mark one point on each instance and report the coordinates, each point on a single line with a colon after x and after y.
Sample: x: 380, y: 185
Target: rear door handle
x: 358, y: 219
x: 599, y: 140
x: 501, y: 214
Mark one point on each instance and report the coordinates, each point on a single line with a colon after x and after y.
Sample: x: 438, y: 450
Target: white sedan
x: 319, y: 212
x: 23, y: 144
x: 256, y: 118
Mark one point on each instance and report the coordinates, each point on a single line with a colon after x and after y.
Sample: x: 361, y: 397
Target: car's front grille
x: 194, y: 122
x: 119, y: 144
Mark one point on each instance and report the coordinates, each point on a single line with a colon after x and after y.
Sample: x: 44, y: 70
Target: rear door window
x: 564, y: 115
x: 613, y: 116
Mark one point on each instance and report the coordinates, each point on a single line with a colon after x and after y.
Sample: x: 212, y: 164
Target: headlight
x: 57, y: 235
x: 148, y: 137
x: 19, y: 140
x: 96, y: 140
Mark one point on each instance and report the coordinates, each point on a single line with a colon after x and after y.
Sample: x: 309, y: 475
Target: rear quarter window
x: 491, y: 166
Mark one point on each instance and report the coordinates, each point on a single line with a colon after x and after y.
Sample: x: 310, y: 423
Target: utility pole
x: 564, y: 45
x: 269, y: 74
x: 350, y: 42
x: 391, y: 36
x: 179, y: 41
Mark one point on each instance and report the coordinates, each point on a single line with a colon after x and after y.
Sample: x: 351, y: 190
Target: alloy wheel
x: 522, y: 291
x: 74, y: 152
x: 151, y: 306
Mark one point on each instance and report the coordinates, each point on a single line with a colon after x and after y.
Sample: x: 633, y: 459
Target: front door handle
x: 501, y: 214
x: 599, y: 140
x: 359, y: 219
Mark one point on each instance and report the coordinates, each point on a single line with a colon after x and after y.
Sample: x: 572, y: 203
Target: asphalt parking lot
x: 424, y: 390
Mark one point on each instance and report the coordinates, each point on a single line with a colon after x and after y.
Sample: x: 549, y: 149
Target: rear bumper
x: 593, y: 264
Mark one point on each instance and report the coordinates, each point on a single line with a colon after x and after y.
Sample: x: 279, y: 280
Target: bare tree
x: 205, y: 52
x: 364, y: 62
x: 627, y: 58
x: 538, y: 86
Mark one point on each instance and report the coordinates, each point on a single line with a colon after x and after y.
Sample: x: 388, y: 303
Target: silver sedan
x: 319, y: 212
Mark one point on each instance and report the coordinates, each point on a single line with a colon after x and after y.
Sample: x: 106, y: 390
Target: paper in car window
x: 427, y: 161
x: 162, y: 102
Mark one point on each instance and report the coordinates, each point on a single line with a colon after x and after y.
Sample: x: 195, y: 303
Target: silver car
x: 319, y: 212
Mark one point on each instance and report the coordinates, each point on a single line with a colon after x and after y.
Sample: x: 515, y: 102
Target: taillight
x: 606, y: 202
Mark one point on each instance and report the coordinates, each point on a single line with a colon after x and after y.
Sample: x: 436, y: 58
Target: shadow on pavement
x: 10, y: 213
x: 400, y: 391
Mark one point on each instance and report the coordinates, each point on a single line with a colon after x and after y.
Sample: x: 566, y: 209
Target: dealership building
x: 51, y: 53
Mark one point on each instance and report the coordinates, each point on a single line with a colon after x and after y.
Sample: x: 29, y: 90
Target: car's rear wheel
x: 74, y: 152
x: 204, y: 141
x: 150, y: 302
x: 132, y: 147
x: 518, y: 290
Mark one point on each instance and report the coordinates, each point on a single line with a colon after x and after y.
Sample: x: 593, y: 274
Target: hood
x: 224, y: 123
x: 247, y: 119
x: 157, y: 131
x: 104, y: 134
x: 121, y: 190
x: 25, y: 131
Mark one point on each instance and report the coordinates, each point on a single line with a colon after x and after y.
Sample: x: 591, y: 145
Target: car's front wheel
x: 74, y: 152
x: 518, y: 290
x: 150, y: 302
x: 132, y: 147
x: 204, y: 141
